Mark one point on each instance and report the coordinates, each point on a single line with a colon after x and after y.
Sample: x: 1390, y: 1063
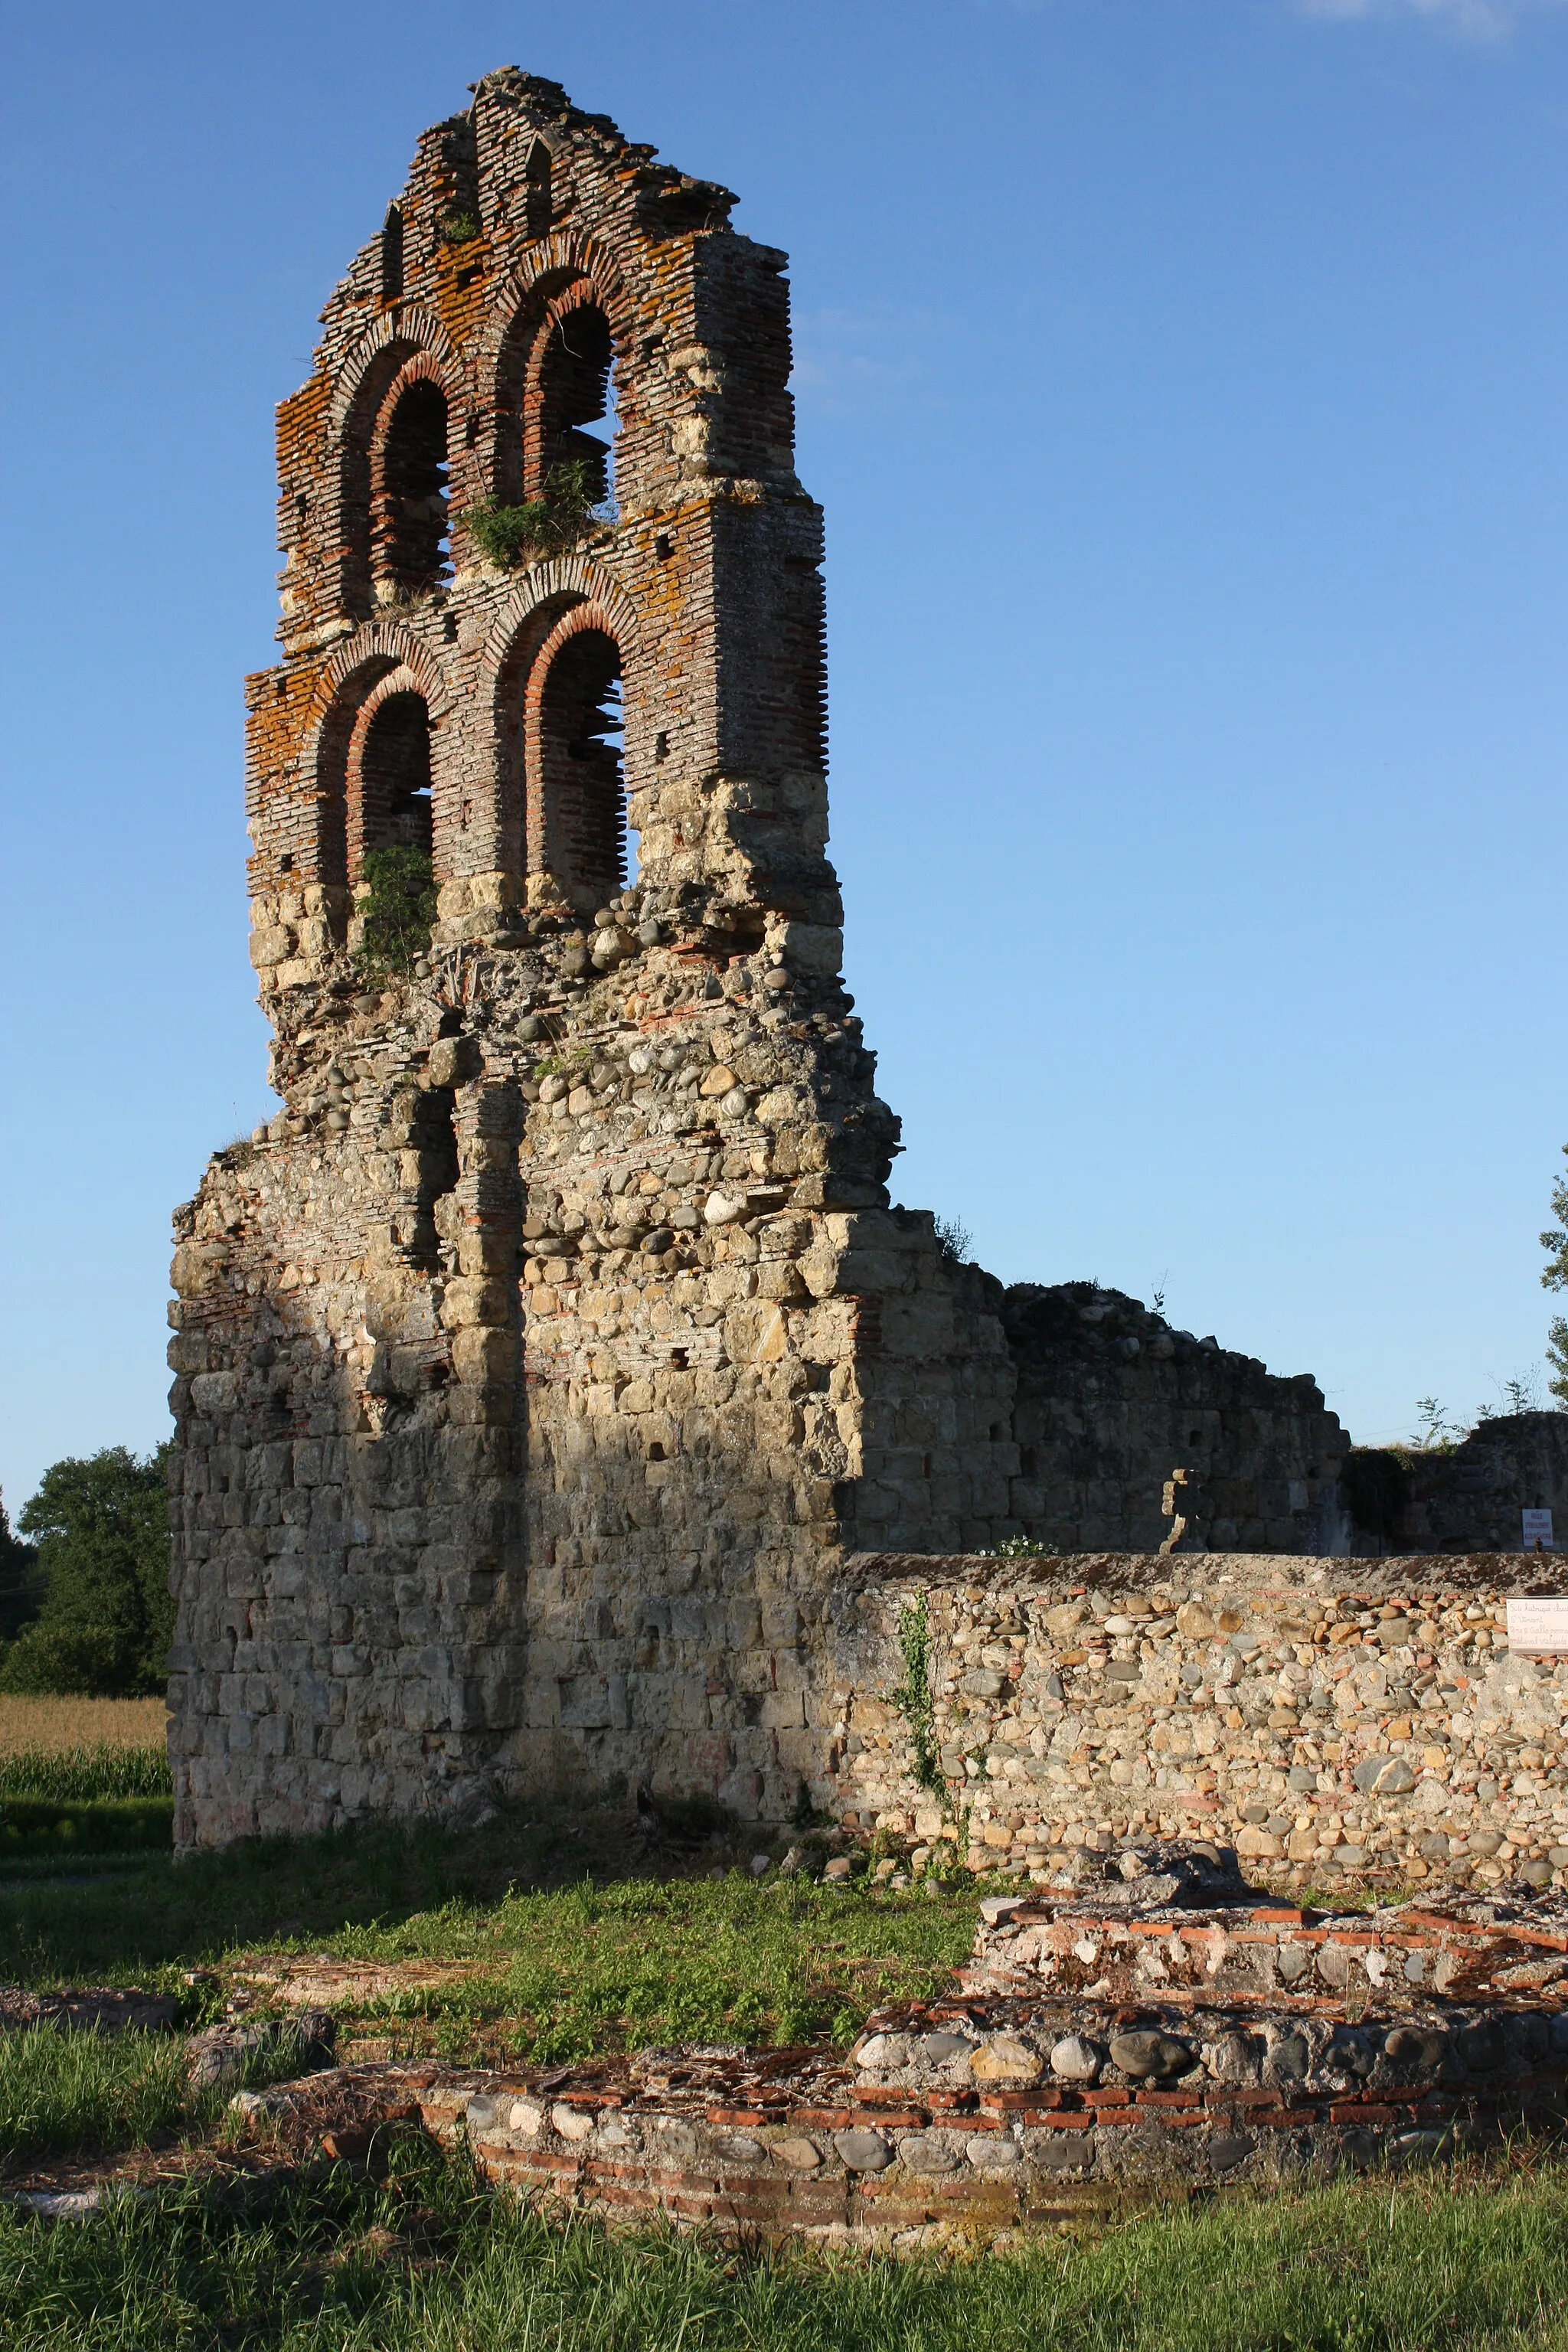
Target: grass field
x: 537, y: 1939
x: 427, y: 2262
x: 87, y: 2091
x: 525, y: 1969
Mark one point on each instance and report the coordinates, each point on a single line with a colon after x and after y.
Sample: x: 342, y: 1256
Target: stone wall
x: 1469, y: 1499
x: 1110, y: 1401
x: 541, y: 1363
x: 1328, y: 1717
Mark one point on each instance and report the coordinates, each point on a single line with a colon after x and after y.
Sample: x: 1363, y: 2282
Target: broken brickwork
x: 541, y: 1362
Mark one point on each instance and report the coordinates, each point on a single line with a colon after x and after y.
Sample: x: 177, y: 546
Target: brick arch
x: 394, y: 352
x: 559, y: 275
x: 396, y: 553
x: 408, y: 330
x: 357, y: 680
x: 565, y: 579
x: 574, y: 823
x: 366, y: 825
x: 550, y: 263
x: 555, y: 600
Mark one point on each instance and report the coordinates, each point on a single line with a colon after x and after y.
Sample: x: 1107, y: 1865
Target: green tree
x: 21, y: 1581
x: 1555, y: 1243
x: 101, y: 1527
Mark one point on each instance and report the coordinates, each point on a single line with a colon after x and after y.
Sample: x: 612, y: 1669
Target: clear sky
x: 1187, y: 383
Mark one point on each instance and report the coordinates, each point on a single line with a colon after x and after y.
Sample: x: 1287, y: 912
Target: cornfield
x: 81, y: 1749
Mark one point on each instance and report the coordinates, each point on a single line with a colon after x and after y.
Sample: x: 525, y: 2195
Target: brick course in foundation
x: 974, y: 2117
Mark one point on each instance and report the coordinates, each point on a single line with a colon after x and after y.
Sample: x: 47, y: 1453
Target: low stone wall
x: 968, y: 2118
x: 1330, y: 1719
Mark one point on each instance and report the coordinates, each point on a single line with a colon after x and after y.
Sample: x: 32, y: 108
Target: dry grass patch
x: 28, y: 1725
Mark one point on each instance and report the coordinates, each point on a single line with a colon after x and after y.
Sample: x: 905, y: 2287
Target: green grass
x: 429, y: 2261
x: 86, y: 1775
x: 95, y: 2093
x: 589, y: 1970
x: 87, y: 2090
x: 35, y: 1825
x: 432, y: 2262
x: 571, y: 1971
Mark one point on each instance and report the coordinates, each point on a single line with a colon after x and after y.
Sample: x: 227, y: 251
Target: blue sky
x: 1187, y: 383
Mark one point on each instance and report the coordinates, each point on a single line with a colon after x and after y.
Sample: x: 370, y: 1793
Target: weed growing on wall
x: 912, y: 1697
x: 398, y: 911
x: 458, y: 227
x: 508, y: 535
x: 954, y: 1239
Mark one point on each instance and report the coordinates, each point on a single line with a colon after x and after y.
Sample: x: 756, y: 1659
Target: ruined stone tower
x: 539, y: 1364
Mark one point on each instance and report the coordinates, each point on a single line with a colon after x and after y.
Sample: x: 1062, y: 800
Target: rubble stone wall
x: 1327, y: 1718
x: 1469, y: 1499
x: 541, y: 1363
x: 1110, y: 1401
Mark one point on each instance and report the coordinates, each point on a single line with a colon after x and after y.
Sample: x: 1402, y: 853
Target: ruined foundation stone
x: 543, y: 1363
x: 1158, y: 2033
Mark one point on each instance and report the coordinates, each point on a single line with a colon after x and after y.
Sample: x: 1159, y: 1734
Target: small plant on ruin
x: 398, y: 911
x: 1436, y: 1433
x: 912, y: 1697
x: 1555, y: 1243
x: 1521, y: 1394
x: 1021, y: 1548
x: 457, y: 226
x: 954, y: 1239
x: 508, y: 535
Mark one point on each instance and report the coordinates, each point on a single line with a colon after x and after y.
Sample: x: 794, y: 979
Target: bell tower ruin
x: 543, y: 1360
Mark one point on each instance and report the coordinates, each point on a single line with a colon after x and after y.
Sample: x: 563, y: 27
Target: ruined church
x: 544, y: 1362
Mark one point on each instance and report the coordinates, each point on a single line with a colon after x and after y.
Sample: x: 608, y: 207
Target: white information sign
x: 1537, y: 1530
x: 1537, y: 1627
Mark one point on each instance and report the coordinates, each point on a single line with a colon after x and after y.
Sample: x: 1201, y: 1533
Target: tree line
x: 85, y: 1607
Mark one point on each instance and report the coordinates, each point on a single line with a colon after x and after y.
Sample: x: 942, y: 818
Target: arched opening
x: 389, y: 778
x: 392, y: 255
x: 577, y: 825
x: 574, y: 388
x: 536, y: 196
x: 409, y: 541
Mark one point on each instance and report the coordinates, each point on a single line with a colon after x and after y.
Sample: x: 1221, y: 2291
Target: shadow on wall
x: 1112, y: 1404
x: 353, y: 1515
